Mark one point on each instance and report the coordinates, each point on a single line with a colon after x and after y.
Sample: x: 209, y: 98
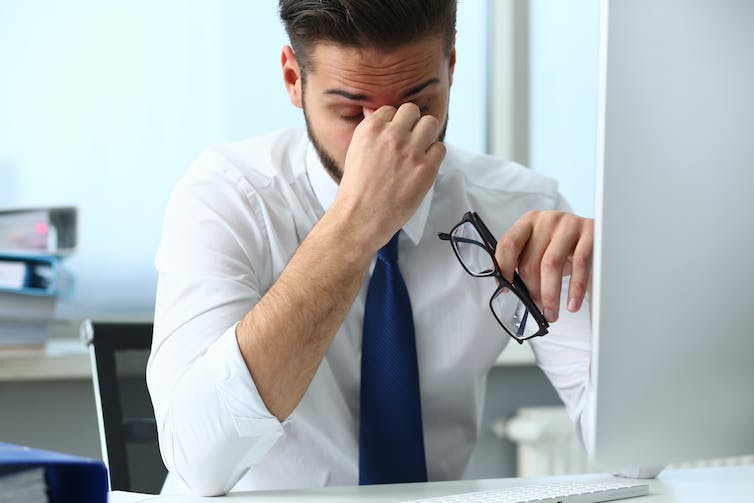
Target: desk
x: 56, y: 381
x: 697, y: 485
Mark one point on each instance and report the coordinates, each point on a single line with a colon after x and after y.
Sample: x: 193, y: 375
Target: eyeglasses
x: 474, y: 245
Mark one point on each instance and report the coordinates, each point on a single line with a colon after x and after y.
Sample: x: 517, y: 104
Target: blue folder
x: 68, y: 478
x: 40, y: 275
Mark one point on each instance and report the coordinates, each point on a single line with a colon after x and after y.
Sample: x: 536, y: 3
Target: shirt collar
x: 325, y: 189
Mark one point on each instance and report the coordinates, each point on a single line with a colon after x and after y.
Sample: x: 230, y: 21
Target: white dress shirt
x: 232, y: 224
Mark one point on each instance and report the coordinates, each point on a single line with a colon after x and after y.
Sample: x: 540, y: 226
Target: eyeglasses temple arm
x: 459, y: 239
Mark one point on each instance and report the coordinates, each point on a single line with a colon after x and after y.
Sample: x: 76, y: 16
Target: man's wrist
x: 360, y: 237
x: 345, y: 239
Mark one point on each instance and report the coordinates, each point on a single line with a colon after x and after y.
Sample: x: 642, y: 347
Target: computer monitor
x: 673, y: 292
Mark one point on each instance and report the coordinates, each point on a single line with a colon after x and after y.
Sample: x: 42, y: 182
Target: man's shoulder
x: 261, y: 158
x: 257, y: 167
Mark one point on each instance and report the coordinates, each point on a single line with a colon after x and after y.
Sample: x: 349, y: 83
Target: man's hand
x: 391, y: 163
x: 545, y: 246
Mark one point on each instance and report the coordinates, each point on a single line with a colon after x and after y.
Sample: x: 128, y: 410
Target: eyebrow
x: 363, y: 97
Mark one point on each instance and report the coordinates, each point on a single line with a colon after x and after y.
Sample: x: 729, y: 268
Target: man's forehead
x: 361, y: 70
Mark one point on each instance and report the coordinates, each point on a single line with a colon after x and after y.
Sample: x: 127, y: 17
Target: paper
x: 27, y: 486
x: 12, y: 274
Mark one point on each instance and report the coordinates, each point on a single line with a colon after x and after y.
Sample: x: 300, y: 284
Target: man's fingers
x: 581, y: 271
x: 511, y: 245
x: 544, y: 247
x: 407, y: 116
x: 553, y: 265
x: 407, y: 122
x: 530, y: 264
x: 435, y: 155
x: 383, y: 114
x: 426, y: 131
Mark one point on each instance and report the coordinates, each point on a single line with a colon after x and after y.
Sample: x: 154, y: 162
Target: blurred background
x: 104, y: 104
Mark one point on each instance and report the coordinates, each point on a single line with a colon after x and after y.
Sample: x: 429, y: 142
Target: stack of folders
x: 33, y: 244
x: 32, y: 475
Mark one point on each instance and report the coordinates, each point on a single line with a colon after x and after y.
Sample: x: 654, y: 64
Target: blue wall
x: 104, y: 105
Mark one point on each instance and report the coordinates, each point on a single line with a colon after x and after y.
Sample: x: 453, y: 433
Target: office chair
x: 127, y: 427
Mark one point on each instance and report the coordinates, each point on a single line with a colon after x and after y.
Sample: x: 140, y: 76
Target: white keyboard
x: 567, y: 492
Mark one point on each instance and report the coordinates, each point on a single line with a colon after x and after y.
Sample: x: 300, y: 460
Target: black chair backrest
x: 128, y: 431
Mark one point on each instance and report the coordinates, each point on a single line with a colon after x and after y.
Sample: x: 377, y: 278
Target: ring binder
x: 40, y: 231
x: 29, y: 275
x: 66, y: 478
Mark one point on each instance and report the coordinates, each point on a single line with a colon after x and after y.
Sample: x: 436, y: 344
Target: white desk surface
x: 694, y: 485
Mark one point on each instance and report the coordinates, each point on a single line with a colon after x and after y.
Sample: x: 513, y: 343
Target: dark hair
x: 384, y: 24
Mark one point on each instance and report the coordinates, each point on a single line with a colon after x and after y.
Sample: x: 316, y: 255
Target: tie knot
x: 389, y: 252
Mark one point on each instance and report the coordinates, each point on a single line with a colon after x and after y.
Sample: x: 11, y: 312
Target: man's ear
x: 291, y: 76
x: 452, y: 61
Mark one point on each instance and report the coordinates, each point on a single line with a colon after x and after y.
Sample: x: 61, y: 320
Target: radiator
x: 546, y: 444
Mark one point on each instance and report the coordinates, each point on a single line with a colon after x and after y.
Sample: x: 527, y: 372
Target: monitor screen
x: 673, y: 294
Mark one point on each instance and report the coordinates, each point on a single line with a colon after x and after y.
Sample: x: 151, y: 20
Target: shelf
x: 59, y: 359
x: 68, y: 358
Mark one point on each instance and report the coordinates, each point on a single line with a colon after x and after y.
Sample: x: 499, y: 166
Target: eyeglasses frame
x: 517, y: 287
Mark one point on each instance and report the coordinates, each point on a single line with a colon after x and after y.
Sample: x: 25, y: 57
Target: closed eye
x: 358, y: 117
x: 355, y: 118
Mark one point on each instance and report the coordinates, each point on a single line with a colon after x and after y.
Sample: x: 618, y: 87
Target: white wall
x: 563, y: 45
x: 104, y: 105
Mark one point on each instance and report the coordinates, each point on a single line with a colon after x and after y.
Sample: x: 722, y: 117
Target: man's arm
x: 545, y: 247
x: 214, y: 379
x: 285, y: 336
x: 391, y: 163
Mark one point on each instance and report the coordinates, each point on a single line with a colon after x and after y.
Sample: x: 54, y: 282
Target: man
x: 269, y: 247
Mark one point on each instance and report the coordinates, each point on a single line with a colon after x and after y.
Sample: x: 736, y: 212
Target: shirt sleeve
x: 212, y: 423
x: 565, y: 356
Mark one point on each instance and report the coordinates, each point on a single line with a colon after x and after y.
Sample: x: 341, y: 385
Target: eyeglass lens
x: 513, y: 315
x: 472, y: 251
x: 478, y: 261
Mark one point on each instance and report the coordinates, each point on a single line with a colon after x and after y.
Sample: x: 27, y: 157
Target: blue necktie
x: 391, y: 444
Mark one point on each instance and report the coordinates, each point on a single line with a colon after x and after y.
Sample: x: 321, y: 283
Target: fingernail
x: 573, y: 305
x: 549, y: 315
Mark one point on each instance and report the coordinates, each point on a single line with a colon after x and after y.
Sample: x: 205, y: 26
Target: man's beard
x: 332, y: 168
x: 324, y: 157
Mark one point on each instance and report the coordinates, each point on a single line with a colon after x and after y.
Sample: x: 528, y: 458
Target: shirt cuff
x: 238, y: 392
